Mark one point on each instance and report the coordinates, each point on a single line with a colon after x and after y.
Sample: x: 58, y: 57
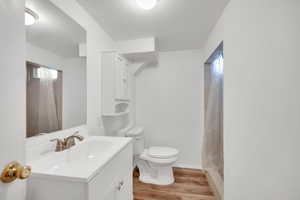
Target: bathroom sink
x: 81, y: 162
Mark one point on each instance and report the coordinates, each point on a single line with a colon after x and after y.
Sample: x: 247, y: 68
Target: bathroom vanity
x: 99, y: 168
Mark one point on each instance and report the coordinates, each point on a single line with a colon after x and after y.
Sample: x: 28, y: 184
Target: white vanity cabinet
x: 114, y: 182
x: 111, y: 179
x: 115, y: 81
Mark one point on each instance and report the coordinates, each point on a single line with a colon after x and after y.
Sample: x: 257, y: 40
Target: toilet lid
x: 162, y: 152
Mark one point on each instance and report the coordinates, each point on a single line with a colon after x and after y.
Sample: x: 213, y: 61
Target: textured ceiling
x: 54, y: 31
x: 177, y: 24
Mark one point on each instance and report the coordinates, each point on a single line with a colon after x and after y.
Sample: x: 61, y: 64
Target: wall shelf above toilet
x: 139, y: 50
x: 115, y: 84
x: 121, y: 108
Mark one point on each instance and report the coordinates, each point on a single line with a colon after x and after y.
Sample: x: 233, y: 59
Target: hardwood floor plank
x: 181, y: 172
x: 192, y: 181
x: 189, y: 185
x: 178, y: 187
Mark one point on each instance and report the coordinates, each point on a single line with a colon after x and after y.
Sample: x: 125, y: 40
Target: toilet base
x: 158, y: 174
x: 161, y: 179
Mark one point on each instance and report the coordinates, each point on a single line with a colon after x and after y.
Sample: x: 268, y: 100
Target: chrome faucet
x: 60, y: 146
x: 67, y: 142
x: 70, y: 141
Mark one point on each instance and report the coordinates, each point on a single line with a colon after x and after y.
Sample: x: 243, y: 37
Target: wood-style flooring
x: 189, y: 185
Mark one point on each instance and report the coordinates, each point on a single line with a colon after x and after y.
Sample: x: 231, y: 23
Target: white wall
x: 13, y: 95
x: 42, y: 56
x: 261, y: 98
x: 169, y: 104
x: 74, y: 92
x: 215, y: 38
x: 74, y: 82
x: 142, y: 45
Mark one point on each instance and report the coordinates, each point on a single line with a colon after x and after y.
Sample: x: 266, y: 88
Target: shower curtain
x: 44, y: 100
x: 48, y: 114
x: 212, y: 152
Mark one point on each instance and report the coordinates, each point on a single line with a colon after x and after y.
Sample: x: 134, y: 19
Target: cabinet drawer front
x: 103, y: 185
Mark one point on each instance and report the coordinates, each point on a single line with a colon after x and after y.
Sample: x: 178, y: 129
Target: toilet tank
x: 137, y: 134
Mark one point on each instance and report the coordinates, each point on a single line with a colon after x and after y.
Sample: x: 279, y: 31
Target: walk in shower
x: 212, y: 154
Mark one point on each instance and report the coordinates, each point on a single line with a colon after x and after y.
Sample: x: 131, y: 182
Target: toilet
x: 155, y: 163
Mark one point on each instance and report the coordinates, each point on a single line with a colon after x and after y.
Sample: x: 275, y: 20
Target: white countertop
x: 81, y: 162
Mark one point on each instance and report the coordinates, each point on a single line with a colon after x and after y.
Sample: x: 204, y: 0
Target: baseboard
x: 216, y: 183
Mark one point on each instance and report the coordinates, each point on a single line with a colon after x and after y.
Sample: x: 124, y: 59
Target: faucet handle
x: 69, y: 142
x: 79, y: 137
x: 59, y: 144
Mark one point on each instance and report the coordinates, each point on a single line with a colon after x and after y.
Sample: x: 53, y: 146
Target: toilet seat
x: 160, y: 155
x: 162, y: 152
x: 145, y: 156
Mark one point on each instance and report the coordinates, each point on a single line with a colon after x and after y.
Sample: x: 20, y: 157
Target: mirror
x: 56, y: 73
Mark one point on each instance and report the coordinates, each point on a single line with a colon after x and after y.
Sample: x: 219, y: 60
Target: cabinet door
x: 121, y: 190
x: 118, y: 83
x: 105, y: 185
x: 125, y: 81
x: 111, y: 193
x: 108, y: 62
x: 121, y: 79
x: 124, y: 189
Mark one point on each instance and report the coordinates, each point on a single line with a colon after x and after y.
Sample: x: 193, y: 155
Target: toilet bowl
x: 155, y: 163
